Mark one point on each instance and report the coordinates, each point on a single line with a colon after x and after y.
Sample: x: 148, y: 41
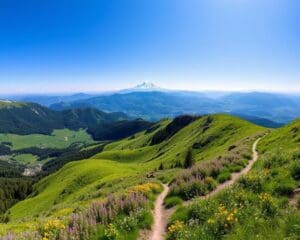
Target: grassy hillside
x: 126, y: 163
x: 71, y: 185
x: 260, y: 205
x: 137, y: 152
x: 208, y: 136
x: 60, y: 138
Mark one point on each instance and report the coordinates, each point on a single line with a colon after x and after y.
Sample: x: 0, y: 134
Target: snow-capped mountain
x: 143, y: 87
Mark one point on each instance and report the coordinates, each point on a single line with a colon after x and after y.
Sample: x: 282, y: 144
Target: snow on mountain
x: 143, y: 87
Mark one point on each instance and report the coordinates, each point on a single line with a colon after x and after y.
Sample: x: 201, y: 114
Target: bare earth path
x: 161, y: 214
x: 234, y: 176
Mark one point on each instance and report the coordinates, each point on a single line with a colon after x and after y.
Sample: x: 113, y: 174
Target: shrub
x: 172, y: 201
x: 210, y: 183
x: 295, y: 170
x: 269, y: 209
x: 284, y: 188
x: 161, y: 166
x: 127, y: 223
x: 111, y: 232
x: 189, y: 160
x: 202, y: 210
x: 292, y: 224
x: 252, y: 182
x: 175, y: 230
x: 224, y: 176
x: 236, y: 168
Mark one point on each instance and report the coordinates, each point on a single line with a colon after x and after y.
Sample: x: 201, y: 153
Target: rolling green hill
x: 261, y: 205
x: 125, y: 162
x: 208, y: 136
x: 72, y: 185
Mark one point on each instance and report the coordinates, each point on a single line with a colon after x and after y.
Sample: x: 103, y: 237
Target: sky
x: 100, y: 45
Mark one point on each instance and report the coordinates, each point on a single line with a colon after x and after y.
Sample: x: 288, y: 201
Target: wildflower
x: 177, y: 226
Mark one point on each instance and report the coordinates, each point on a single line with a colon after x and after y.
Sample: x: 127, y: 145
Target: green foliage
x: 13, y: 190
x: 31, y: 118
x: 161, y: 166
x: 127, y: 162
x: 295, y: 170
x: 172, y: 201
x: 111, y: 232
x: 189, y: 159
x: 224, y: 176
x: 257, y: 206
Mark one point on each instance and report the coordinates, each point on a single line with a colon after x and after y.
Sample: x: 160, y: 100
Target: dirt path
x: 234, y: 176
x: 161, y: 214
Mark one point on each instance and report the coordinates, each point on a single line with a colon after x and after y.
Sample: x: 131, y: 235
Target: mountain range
x: 150, y: 102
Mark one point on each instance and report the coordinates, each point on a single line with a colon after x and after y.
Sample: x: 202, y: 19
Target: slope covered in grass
x: 60, y: 138
x: 127, y: 162
x: 261, y: 205
x: 74, y: 183
x: 208, y: 136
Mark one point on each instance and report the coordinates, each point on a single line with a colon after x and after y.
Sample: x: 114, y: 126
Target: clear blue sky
x: 95, y: 45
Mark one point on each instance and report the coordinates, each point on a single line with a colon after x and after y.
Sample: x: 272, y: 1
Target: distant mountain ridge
x: 154, y: 105
x: 29, y: 118
x: 152, y: 102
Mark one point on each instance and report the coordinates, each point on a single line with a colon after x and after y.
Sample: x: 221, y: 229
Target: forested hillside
x: 30, y: 118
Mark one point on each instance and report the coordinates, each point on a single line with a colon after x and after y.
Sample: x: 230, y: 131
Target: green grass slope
x: 60, y: 138
x: 261, y: 205
x: 208, y: 136
x: 285, y: 139
x: 71, y: 185
x: 127, y: 162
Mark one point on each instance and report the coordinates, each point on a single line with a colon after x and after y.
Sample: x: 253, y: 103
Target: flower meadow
x: 203, y: 177
x: 104, y: 219
x: 256, y: 207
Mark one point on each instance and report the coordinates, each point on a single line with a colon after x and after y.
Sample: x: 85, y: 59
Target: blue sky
x: 97, y: 45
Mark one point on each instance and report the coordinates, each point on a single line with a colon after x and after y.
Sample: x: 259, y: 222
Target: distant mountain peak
x: 143, y: 87
x: 146, y: 85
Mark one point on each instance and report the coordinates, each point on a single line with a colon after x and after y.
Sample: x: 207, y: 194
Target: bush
x: 224, y: 176
x: 111, y: 232
x: 172, y: 201
x: 189, y: 160
x: 211, y: 183
x: 236, y: 168
x: 202, y: 210
x: 284, y: 188
x: 269, y: 209
x: 252, y: 182
x: 295, y: 170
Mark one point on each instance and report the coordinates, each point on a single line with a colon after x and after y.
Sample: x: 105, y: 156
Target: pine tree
x: 161, y: 166
x: 189, y: 160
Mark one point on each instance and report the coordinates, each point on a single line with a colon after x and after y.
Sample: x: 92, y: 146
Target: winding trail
x: 234, y: 176
x: 160, y: 217
x: 161, y: 214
